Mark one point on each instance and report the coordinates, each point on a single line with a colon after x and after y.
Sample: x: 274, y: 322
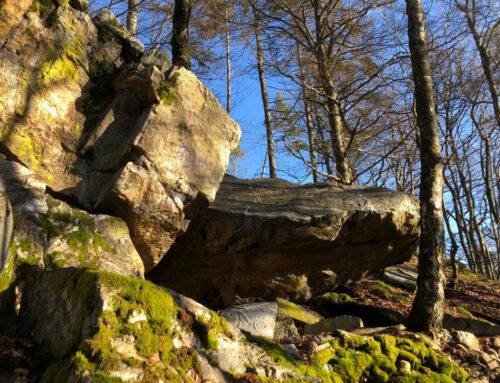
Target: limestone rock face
x: 182, y: 148
x: 261, y: 238
x: 104, y: 129
x: 50, y: 233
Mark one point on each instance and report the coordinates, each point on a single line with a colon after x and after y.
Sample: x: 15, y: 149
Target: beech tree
x: 132, y: 16
x: 427, y: 310
x: 180, y: 35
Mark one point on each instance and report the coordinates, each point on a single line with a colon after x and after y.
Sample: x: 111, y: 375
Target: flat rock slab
x: 401, y: 276
x: 474, y: 326
x: 271, y: 238
x: 342, y: 322
x: 259, y: 319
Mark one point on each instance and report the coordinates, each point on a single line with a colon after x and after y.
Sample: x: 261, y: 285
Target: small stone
x: 467, y: 339
x: 496, y: 343
x: 285, y: 330
x: 404, y: 366
x: 137, y: 317
x: 292, y: 350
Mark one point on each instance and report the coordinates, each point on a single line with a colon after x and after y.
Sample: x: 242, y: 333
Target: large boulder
x: 266, y: 238
x: 105, y: 130
x: 50, y: 233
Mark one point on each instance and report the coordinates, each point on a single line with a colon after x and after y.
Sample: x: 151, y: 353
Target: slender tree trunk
x: 180, y: 36
x: 427, y: 310
x: 265, y: 98
x: 483, y: 54
x: 228, y: 57
x: 132, y: 16
x: 453, y: 250
x: 307, y: 111
x: 334, y: 117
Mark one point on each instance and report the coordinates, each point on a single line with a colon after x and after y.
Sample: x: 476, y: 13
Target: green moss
x: 167, y: 96
x: 83, y: 242
x: 297, y: 312
x: 335, y: 298
x: 8, y: 275
x: 357, y: 358
x: 382, y: 290
x: 210, y: 329
x: 351, y: 365
x: 25, y: 245
x: 464, y: 312
x: 153, y: 336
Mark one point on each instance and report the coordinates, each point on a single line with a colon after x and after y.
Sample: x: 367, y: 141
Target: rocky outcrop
x: 104, y: 129
x: 94, y: 326
x: 50, y: 233
x: 268, y: 238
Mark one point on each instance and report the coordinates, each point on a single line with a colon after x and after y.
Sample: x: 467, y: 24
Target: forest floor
x: 474, y: 295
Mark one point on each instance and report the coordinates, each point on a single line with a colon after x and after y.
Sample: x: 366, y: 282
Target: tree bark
x: 307, y: 111
x: 228, y: 57
x: 180, y: 36
x: 265, y: 98
x: 132, y: 16
x: 427, y: 310
x: 334, y: 118
x: 483, y: 54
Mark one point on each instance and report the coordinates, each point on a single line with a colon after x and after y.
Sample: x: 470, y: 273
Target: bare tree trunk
x: 228, y: 57
x: 265, y: 98
x: 307, y: 111
x: 427, y: 310
x: 470, y: 16
x: 180, y: 36
x: 132, y: 16
x: 453, y: 250
x: 334, y: 118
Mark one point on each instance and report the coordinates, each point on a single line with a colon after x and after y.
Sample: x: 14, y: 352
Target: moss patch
x: 61, y: 63
x: 152, y: 338
x: 77, y: 229
x: 351, y: 359
x: 167, y: 95
x: 8, y: 275
x: 383, y: 290
x: 297, y: 312
x: 209, y: 329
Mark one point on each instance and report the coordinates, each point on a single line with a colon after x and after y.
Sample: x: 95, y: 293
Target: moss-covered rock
x: 109, y: 327
x: 350, y: 358
x: 50, y: 233
x: 333, y: 304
